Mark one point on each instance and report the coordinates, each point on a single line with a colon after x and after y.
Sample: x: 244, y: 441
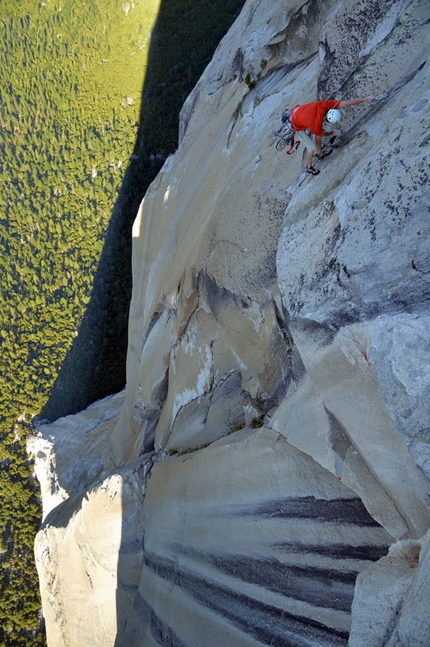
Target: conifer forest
x: 89, y: 102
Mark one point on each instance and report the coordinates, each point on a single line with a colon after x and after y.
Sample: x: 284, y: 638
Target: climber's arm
x: 353, y: 102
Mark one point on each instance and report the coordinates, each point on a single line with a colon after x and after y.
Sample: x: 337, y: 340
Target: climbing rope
x: 379, y: 52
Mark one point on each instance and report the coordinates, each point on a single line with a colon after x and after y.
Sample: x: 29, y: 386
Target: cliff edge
x: 264, y: 479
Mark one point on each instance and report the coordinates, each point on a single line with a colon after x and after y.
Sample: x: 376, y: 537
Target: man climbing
x: 315, y: 117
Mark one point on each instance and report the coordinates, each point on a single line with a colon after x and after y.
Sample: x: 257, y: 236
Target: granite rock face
x: 264, y: 479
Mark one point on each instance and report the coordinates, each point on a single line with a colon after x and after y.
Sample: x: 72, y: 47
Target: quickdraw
x: 285, y: 137
x: 293, y: 148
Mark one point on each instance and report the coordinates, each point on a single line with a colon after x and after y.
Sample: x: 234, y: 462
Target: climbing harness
x: 379, y: 52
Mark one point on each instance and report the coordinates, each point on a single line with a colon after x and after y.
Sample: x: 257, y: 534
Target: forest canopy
x: 89, y: 109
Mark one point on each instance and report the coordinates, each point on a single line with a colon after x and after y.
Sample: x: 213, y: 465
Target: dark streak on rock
x: 344, y: 511
x: 367, y: 552
x: 327, y: 588
x: 161, y: 632
x: 270, y: 625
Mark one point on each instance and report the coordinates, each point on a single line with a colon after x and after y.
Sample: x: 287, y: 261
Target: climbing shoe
x: 324, y: 154
x: 312, y: 170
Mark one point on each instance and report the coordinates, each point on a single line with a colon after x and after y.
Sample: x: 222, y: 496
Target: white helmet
x: 333, y: 116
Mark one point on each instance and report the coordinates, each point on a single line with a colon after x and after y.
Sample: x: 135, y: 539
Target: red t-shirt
x: 311, y: 115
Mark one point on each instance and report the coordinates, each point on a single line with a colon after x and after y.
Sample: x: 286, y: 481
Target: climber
x: 315, y: 117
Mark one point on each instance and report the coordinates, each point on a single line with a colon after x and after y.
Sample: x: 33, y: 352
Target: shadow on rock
x: 183, y: 41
